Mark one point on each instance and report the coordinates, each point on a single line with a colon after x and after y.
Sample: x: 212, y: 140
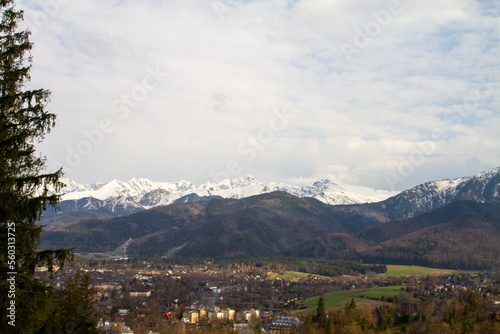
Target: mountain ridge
x: 481, y: 188
x: 118, y: 198
x: 234, y: 188
x: 121, y: 198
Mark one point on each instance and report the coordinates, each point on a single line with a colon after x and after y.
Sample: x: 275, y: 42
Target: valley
x: 207, y: 264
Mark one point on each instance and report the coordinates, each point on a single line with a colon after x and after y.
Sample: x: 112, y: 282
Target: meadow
x: 338, y: 299
x: 400, y: 271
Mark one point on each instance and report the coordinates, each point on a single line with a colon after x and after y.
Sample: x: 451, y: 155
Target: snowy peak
x: 134, y: 188
x: 482, y: 188
x: 72, y: 186
x: 155, y: 198
x: 333, y: 192
x: 242, y: 182
x: 150, y: 194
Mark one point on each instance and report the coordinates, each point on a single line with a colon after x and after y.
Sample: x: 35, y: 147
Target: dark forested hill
x: 460, y: 235
x: 261, y: 225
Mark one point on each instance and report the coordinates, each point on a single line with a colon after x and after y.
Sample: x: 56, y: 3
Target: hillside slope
x: 260, y: 225
x: 461, y: 235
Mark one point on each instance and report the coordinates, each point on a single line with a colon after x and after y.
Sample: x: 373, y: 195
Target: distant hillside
x: 190, y: 198
x: 56, y: 221
x: 462, y: 235
x: 121, y: 207
x: 260, y: 225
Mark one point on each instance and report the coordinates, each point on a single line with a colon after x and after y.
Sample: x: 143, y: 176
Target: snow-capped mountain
x: 336, y: 193
x: 123, y: 198
x: 139, y: 194
x: 481, y: 188
x: 135, y: 188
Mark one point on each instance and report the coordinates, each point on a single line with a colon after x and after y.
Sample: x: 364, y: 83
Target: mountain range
x: 148, y: 194
x: 458, y: 218
x: 119, y: 198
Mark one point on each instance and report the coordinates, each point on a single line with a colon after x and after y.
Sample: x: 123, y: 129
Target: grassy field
x: 398, y: 271
x: 338, y: 299
x: 370, y: 297
x: 297, y: 274
x: 392, y: 271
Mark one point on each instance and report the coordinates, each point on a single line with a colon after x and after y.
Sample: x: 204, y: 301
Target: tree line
x: 466, y: 312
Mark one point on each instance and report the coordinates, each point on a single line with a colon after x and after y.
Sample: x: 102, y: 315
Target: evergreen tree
x: 71, y: 309
x: 23, y: 185
x: 321, y: 313
x: 350, y: 305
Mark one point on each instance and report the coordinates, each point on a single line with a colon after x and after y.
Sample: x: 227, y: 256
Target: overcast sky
x: 387, y: 94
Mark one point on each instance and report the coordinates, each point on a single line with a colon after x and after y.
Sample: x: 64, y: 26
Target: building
x: 192, y: 316
x: 141, y: 294
x: 291, y: 324
x: 251, y: 313
x: 229, y: 314
x: 114, y: 328
x: 123, y: 312
x: 242, y: 328
x: 212, y: 316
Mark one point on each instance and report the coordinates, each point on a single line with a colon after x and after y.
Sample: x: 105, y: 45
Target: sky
x: 385, y: 94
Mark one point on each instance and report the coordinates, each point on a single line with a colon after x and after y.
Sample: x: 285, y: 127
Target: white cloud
x: 232, y: 64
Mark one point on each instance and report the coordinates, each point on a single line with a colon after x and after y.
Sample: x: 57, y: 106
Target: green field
x: 392, y: 271
x: 398, y: 271
x: 338, y: 299
x: 297, y: 274
x: 371, y: 297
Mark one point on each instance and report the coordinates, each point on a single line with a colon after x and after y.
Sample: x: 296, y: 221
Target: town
x: 155, y: 296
